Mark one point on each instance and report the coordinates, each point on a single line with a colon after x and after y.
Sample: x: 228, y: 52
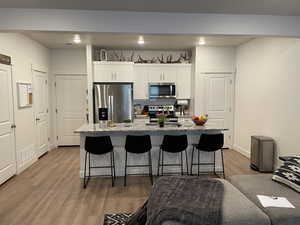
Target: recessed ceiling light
x: 141, y: 41
x: 77, y: 39
x: 201, y: 41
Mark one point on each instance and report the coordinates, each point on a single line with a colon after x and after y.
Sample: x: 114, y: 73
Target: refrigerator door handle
x: 112, y: 107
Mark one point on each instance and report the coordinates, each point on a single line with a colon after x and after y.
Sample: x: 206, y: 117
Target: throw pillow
x: 289, y: 173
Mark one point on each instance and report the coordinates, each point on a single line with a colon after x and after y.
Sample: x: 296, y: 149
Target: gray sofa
x: 251, y: 185
x: 241, y: 206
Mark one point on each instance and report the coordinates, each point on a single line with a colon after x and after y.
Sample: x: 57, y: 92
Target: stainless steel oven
x: 162, y: 90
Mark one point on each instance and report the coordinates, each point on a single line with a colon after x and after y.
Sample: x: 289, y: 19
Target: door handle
x: 13, y: 126
x: 37, y: 119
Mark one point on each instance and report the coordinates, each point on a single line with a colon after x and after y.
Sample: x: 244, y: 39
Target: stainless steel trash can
x: 262, y: 153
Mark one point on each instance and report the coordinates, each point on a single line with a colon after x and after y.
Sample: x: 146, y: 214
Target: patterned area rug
x: 116, y: 219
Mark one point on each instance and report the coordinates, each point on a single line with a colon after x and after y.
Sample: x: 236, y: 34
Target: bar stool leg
x: 150, y: 168
x: 89, y: 165
x: 223, y: 163
x: 125, y: 168
x: 192, y: 160
x: 181, y: 164
x: 187, y: 163
x: 84, y: 175
x: 198, y: 162
x: 215, y: 163
x: 111, y: 169
x: 162, y: 164
x: 113, y: 155
x: 158, y: 166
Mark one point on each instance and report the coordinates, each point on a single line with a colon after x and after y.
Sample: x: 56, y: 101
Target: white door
x: 218, y: 102
x: 71, y: 108
x: 7, y: 139
x: 40, y: 95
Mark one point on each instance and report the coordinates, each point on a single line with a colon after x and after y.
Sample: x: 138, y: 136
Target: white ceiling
x: 129, y: 41
x: 268, y: 7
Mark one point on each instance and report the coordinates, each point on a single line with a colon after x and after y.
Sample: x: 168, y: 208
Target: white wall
x: 26, y: 54
x: 68, y: 61
x: 267, y: 93
x: 64, y: 62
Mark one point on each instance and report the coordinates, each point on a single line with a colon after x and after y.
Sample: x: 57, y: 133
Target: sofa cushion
x: 289, y: 173
x: 252, y: 185
x: 237, y: 209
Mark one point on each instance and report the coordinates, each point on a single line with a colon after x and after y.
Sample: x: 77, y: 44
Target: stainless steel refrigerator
x: 117, y: 98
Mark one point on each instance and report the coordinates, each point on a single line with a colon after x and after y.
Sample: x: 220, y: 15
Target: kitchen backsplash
x: 154, y: 101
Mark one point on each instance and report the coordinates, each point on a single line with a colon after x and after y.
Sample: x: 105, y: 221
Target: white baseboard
x: 25, y: 158
x: 241, y: 150
x: 52, y: 146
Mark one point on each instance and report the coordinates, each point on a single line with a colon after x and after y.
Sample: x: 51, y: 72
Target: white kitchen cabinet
x: 140, y: 85
x: 113, y: 72
x: 162, y: 73
x: 143, y: 74
x: 183, y: 83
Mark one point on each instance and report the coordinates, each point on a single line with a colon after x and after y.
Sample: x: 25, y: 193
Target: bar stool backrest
x: 211, y: 142
x: 138, y: 143
x: 174, y: 143
x: 98, y: 145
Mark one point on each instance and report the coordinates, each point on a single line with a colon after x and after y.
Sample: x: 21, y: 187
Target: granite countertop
x: 140, y: 127
x: 138, y: 117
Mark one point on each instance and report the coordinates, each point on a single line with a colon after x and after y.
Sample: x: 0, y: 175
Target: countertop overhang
x: 142, y: 129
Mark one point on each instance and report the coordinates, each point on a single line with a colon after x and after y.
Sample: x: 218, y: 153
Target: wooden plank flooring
x: 50, y: 192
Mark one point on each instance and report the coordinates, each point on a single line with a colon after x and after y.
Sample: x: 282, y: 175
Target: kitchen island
x: 118, y: 136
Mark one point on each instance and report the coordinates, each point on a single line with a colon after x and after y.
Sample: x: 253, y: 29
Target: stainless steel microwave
x: 162, y: 90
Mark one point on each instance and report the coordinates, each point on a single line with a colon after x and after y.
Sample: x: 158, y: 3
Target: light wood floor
x: 50, y: 192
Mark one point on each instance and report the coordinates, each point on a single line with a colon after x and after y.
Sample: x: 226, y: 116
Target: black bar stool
x: 209, y: 143
x: 173, y: 144
x: 98, y: 146
x: 138, y: 145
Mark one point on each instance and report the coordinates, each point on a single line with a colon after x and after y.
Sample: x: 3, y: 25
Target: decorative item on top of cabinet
x: 4, y: 59
x: 103, y: 55
x: 145, y: 56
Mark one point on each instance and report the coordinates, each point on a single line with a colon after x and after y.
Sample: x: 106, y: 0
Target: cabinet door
x: 122, y: 73
x: 103, y: 73
x: 169, y: 74
x: 155, y: 74
x: 123, y: 76
x: 140, y: 85
x: 183, y: 83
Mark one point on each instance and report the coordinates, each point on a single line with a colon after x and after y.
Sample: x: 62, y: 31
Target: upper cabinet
x: 140, y: 85
x: 183, y: 83
x: 159, y: 73
x: 113, y: 72
x: 143, y: 74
